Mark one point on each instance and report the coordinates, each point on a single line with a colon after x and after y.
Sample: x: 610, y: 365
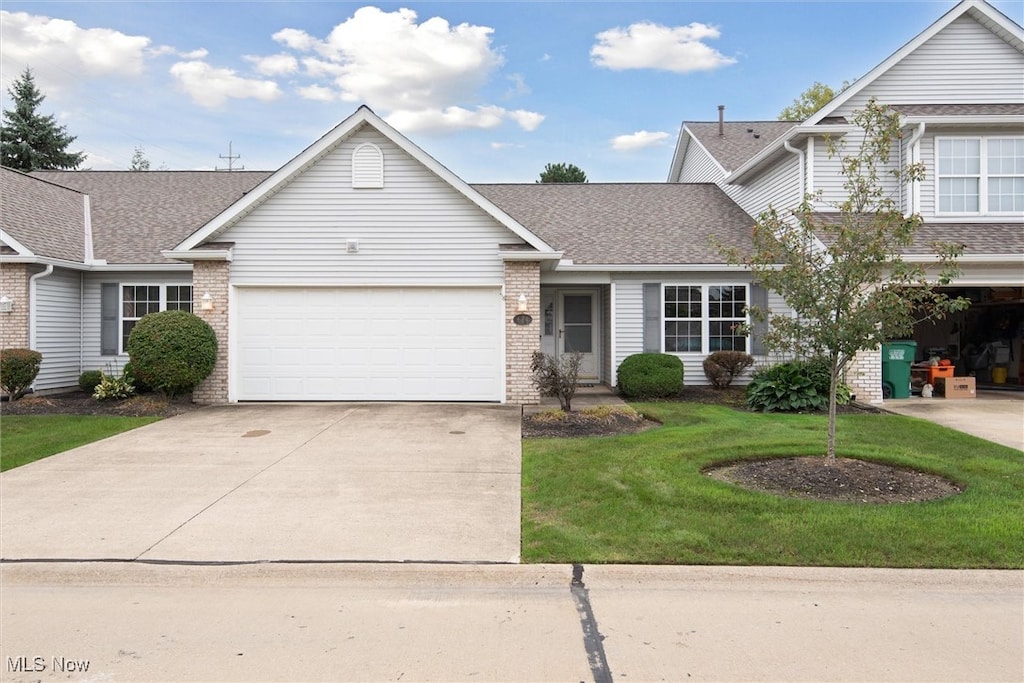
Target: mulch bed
x: 81, y: 403
x: 840, y: 480
x: 582, y: 424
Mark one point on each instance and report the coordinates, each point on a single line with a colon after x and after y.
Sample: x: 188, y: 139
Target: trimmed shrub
x: 113, y: 387
x: 557, y: 376
x: 651, y: 375
x: 89, y: 380
x: 18, y: 369
x: 172, y: 351
x: 799, y: 385
x: 128, y: 375
x: 722, y: 367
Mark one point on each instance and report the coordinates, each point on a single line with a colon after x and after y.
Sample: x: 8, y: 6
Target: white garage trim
x: 367, y: 344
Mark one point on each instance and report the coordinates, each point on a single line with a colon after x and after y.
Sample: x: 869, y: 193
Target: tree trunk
x: 833, y: 387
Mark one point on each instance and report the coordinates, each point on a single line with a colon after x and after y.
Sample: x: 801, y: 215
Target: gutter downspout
x: 32, y: 303
x: 914, y: 150
x: 800, y: 153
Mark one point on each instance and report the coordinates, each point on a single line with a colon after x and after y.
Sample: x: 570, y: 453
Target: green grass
x: 27, y: 438
x: 643, y: 499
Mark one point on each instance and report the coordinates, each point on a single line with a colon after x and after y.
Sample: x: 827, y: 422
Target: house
x: 960, y: 92
x: 363, y: 269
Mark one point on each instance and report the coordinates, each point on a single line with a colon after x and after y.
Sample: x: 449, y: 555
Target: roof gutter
x: 198, y: 255
x: 797, y: 131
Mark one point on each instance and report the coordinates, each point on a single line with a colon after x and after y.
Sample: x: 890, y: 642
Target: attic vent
x: 367, y: 167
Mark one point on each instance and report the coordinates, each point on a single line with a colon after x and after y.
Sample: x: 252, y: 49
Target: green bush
x: 113, y: 387
x: 128, y: 375
x: 799, y: 385
x: 18, y: 369
x: 89, y: 380
x: 651, y: 375
x: 722, y: 367
x: 172, y: 351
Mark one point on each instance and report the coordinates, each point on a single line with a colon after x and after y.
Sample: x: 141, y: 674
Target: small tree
x: 30, y: 141
x: 562, y: 173
x: 842, y: 273
x: 810, y: 101
x: 172, y: 351
x: 139, y: 160
x: 555, y: 376
x: 18, y: 369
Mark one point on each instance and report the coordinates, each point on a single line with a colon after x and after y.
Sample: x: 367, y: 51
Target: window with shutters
x: 704, y: 318
x: 367, y: 167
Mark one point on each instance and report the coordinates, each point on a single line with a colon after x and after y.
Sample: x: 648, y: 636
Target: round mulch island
x: 842, y: 480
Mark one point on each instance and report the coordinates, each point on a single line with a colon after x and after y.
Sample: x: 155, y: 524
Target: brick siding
x: 14, y: 325
x: 212, y: 277
x: 521, y: 277
x: 864, y: 375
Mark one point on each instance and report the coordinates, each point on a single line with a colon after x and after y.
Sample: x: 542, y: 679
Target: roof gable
x: 42, y: 219
x: 363, y: 116
x: 976, y: 10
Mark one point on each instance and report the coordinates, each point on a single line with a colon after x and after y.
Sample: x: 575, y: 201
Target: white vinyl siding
x: 965, y: 63
x: 828, y: 172
x: 699, y: 166
x: 779, y: 186
x: 416, y: 230
x: 58, y: 329
x: 377, y: 344
x: 92, y: 358
x: 629, y: 323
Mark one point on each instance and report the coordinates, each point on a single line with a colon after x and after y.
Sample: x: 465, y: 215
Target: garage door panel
x: 369, y: 344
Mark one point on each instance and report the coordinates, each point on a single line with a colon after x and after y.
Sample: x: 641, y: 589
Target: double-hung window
x: 138, y: 300
x: 704, y: 318
x: 980, y: 175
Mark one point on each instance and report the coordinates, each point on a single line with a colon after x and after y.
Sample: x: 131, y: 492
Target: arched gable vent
x: 367, y: 167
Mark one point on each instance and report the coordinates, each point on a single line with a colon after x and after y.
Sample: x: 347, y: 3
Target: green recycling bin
x: 897, y: 357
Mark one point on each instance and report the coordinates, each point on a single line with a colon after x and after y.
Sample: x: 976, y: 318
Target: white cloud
x: 201, y: 53
x: 646, y: 45
x: 460, y: 118
x: 506, y: 145
x: 427, y: 74
x: 210, y: 86
x: 274, y: 65
x: 519, y: 86
x: 638, y: 140
x: 61, y: 53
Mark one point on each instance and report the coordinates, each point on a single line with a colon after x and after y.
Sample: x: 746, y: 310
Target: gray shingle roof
x: 46, y: 218
x: 977, y: 238
x: 959, y: 109
x: 742, y: 139
x: 136, y: 215
x: 627, y: 223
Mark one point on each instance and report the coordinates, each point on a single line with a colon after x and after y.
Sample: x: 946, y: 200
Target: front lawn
x: 27, y: 438
x: 643, y: 498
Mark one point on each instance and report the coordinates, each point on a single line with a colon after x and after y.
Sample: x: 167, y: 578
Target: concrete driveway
x: 994, y: 415
x: 304, y: 482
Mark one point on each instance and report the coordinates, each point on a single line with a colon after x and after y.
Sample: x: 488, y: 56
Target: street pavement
x: 459, y: 622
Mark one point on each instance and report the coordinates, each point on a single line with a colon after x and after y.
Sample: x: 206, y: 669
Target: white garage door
x: 375, y: 344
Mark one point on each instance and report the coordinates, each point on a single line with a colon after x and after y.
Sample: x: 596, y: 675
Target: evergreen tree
x: 562, y: 173
x: 30, y: 141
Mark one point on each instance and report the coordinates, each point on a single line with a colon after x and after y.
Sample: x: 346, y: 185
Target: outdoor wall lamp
x: 206, y: 302
x: 6, y: 304
x: 522, y: 308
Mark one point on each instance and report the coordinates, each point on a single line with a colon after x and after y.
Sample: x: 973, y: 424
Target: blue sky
x: 493, y: 90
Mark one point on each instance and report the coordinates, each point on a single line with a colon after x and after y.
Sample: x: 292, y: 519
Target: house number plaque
x: 523, y: 319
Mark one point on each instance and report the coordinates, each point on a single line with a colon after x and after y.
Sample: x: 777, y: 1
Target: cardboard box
x: 956, y: 387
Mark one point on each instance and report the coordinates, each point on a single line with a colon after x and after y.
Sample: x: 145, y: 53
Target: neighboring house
x: 363, y: 269
x: 959, y: 87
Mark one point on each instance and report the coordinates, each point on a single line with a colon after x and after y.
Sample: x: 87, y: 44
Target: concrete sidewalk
x: 326, y: 622
x: 994, y: 415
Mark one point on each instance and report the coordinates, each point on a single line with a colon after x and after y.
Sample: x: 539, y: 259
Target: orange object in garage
x: 936, y: 371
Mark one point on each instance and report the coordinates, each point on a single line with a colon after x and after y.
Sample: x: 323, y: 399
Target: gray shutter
x: 652, y: 317
x: 108, y: 318
x: 758, y: 299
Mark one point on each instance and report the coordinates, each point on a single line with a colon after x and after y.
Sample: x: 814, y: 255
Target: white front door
x: 577, y: 329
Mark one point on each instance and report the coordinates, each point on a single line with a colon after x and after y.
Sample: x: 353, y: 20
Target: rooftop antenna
x: 231, y: 161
